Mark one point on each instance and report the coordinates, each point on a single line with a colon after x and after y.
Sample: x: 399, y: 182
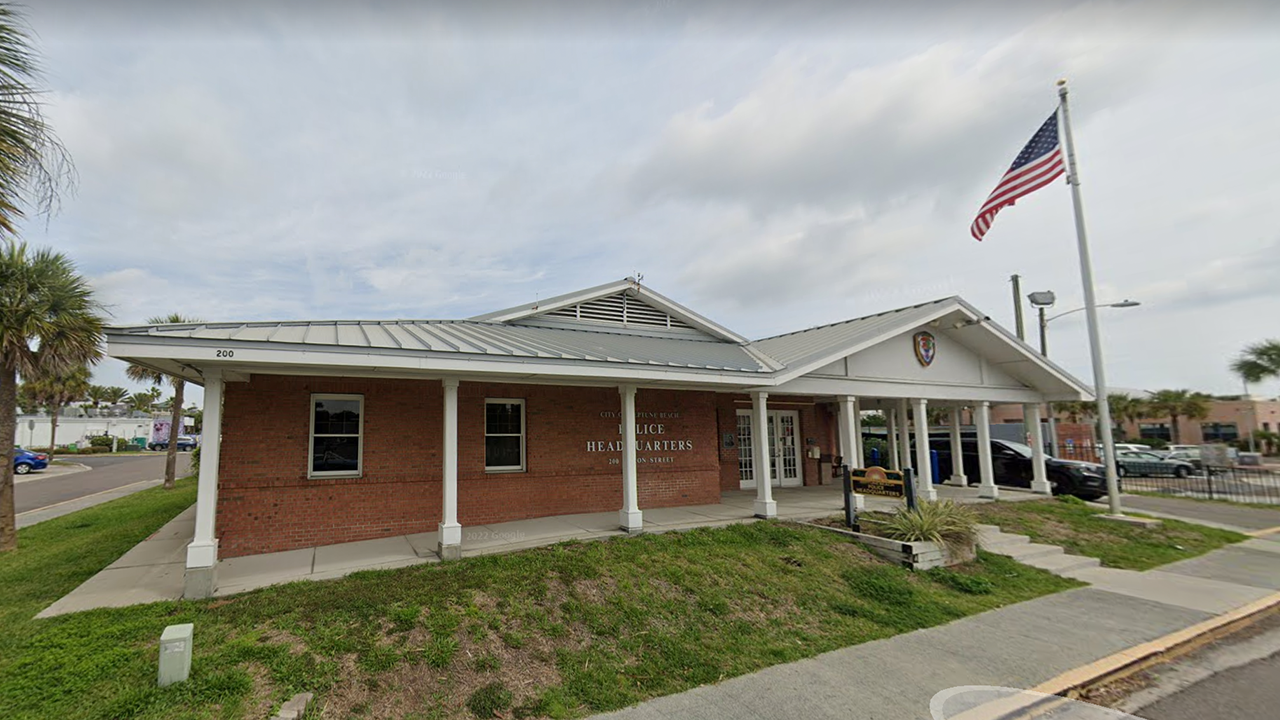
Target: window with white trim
x: 503, y: 435
x: 337, y: 429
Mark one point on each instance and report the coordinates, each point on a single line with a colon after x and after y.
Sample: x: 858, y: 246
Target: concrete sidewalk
x: 1020, y: 646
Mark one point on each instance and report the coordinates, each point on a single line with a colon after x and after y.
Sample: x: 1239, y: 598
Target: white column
x: 851, y: 439
x: 202, y: 552
x: 1053, y: 433
x: 629, y: 517
x: 957, y: 451
x: 904, y: 432
x: 859, y: 455
x: 450, y: 530
x: 765, y: 506
x: 891, y: 447
x: 986, y: 469
x: 924, y: 464
x: 1039, y: 477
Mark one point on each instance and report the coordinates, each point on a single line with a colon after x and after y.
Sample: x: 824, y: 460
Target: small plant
x: 490, y: 700
x: 440, y: 651
x: 942, y: 522
x: 487, y: 663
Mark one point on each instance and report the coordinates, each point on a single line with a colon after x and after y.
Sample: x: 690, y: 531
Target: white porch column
x: 986, y: 469
x: 629, y: 517
x: 450, y: 531
x: 202, y: 553
x: 904, y: 432
x: 1039, y: 477
x: 765, y: 506
x: 891, y: 447
x: 957, y: 451
x: 851, y: 439
x: 924, y: 464
x: 1053, y: 433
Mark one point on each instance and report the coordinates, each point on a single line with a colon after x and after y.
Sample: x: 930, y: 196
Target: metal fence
x: 1237, y: 484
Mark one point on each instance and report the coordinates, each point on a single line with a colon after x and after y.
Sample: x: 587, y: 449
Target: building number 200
x: 226, y: 353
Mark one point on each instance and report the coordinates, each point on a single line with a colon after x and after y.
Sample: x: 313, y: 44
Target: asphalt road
x: 107, y: 473
x: 1248, y: 691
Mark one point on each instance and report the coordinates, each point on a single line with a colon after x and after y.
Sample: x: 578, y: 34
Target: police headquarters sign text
x: 650, y: 427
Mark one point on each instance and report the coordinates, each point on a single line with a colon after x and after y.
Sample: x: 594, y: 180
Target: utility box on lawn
x: 175, y: 654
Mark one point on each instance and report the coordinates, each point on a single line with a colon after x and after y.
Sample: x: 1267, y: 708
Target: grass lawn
x: 561, y: 631
x: 1078, y: 528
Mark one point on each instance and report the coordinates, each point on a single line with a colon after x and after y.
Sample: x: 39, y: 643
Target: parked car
x: 185, y: 443
x: 1150, y: 464
x: 1183, y: 448
x: 24, y: 461
x: 1012, y: 464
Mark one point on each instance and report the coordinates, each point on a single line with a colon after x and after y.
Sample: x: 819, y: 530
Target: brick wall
x: 266, y: 503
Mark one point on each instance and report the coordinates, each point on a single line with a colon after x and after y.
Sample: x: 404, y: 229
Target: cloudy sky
x: 772, y: 166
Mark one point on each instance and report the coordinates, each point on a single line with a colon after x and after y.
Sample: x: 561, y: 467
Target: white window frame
x: 524, y: 430
x: 311, y: 438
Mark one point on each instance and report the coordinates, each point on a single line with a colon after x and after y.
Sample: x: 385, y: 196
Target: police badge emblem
x: 926, y: 348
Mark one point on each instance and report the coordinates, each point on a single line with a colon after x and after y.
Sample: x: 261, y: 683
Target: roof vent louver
x: 619, y: 310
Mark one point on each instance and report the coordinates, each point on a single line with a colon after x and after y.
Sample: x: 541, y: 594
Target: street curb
x: 79, y: 468
x: 1139, y: 657
x: 1264, y: 532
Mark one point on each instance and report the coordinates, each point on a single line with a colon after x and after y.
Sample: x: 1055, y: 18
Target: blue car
x: 24, y: 461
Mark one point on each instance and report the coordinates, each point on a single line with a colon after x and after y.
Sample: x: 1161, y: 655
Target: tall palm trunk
x: 1177, y: 437
x: 55, y: 410
x: 8, y: 426
x: 175, y: 424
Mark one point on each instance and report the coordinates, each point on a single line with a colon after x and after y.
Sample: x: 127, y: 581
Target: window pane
x: 502, y: 451
x: 502, y: 418
x: 336, y: 454
x: 337, y: 417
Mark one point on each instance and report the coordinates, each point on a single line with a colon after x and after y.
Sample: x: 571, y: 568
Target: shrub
x: 490, y: 700
x: 195, y: 460
x: 100, y: 441
x: 936, y: 522
x: 92, y: 450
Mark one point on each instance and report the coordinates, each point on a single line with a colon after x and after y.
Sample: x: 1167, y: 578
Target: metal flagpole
x: 1091, y: 310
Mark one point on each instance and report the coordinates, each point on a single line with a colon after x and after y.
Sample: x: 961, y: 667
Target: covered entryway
x: 783, y: 449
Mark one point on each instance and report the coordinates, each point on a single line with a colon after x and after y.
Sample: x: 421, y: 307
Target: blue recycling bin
x: 936, y: 466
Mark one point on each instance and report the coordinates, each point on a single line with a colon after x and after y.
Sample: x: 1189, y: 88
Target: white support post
x: 891, y: 447
x: 629, y: 517
x: 851, y: 439
x: 859, y: 453
x: 924, y: 463
x: 986, y: 468
x: 904, y: 432
x: 1054, y: 449
x: 958, y: 477
x: 760, y: 461
x: 450, y: 531
x: 202, y: 553
x: 1039, y: 476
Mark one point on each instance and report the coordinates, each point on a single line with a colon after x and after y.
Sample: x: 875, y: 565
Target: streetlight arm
x: 1121, y: 304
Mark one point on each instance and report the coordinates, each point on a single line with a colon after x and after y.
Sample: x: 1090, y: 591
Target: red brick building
x: 611, y: 398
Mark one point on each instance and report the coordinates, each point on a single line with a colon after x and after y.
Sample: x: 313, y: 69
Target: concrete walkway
x: 153, y: 570
x: 1018, y: 646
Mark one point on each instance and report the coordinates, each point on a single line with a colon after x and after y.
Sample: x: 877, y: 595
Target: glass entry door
x: 784, y: 449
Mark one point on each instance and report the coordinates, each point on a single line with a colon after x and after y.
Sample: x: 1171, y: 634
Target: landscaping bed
x: 561, y: 631
x: 1079, y: 529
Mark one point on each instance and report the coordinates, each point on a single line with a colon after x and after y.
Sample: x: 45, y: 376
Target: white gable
x: 620, y: 309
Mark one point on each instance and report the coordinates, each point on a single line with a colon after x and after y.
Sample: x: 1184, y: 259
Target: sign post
x: 850, y: 512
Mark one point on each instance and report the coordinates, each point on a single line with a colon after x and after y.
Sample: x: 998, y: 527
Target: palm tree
x: 1075, y: 411
x: 55, y: 391
x: 45, y: 303
x: 1258, y: 362
x: 144, y: 400
x: 1179, y: 403
x: 1125, y: 409
x: 139, y: 373
x: 96, y: 395
x: 114, y: 395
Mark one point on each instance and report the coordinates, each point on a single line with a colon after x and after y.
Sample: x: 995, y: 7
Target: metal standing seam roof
x: 800, y: 348
x: 476, y: 338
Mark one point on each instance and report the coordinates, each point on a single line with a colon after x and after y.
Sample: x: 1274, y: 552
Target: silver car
x: 1133, y: 463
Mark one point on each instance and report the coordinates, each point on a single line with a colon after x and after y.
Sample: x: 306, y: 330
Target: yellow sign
x: 878, y: 481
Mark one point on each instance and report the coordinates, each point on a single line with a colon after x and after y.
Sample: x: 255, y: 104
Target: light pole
x: 1042, y: 301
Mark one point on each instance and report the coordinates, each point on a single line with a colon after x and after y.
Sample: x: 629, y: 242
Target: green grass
x: 561, y: 631
x: 1079, y: 529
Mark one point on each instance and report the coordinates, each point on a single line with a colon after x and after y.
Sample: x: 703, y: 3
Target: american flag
x: 1039, y: 164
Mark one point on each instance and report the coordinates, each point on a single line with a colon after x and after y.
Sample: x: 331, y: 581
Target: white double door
x: 784, y: 449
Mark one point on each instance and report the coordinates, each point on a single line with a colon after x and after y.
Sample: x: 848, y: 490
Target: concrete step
x: 1025, y: 552
x: 996, y: 541
x: 1062, y: 564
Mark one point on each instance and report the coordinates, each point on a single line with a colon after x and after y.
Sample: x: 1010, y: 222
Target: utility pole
x: 1017, y: 306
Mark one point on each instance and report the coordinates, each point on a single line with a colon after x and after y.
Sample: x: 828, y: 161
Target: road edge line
x: 83, y: 497
x: 1072, y: 683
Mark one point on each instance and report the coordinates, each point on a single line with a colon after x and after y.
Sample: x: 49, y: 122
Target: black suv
x: 1012, y: 464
